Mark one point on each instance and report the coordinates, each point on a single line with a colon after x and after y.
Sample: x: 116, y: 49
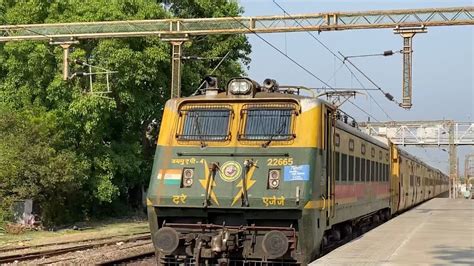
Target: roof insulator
x: 389, y: 96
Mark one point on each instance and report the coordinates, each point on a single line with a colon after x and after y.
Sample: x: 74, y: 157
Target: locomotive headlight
x: 239, y: 86
x: 187, y: 177
x: 273, y: 179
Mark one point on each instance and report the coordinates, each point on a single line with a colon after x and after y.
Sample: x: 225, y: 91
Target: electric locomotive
x: 261, y: 173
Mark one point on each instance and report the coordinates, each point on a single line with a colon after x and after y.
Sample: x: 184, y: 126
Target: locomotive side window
x: 202, y: 123
x: 337, y: 140
x: 338, y: 167
x: 267, y: 122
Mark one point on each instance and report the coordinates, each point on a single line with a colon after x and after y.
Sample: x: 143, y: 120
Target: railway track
x: 9, y: 249
x: 40, y: 254
x: 136, y: 257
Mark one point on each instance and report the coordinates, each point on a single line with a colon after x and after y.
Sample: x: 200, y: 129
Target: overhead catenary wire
x: 343, y: 59
x: 300, y: 66
x: 387, y: 95
x: 212, y: 72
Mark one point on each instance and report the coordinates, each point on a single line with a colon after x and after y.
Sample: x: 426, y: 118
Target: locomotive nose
x: 166, y: 239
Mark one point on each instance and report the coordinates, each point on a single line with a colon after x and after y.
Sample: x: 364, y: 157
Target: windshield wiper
x: 198, y: 129
x: 210, y: 181
x: 280, y: 130
x: 245, y: 198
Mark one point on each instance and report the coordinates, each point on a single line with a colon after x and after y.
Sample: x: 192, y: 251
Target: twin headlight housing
x: 187, y: 177
x: 273, y: 179
x: 242, y: 86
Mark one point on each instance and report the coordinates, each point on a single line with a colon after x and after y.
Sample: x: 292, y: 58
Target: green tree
x: 32, y: 165
x: 104, y: 139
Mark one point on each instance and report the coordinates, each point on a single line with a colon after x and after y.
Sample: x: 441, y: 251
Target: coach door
x: 394, y: 179
x: 329, y: 125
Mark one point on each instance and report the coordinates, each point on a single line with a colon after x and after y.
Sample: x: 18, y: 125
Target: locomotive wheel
x: 348, y: 231
x: 375, y: 219
x: 324, y: 243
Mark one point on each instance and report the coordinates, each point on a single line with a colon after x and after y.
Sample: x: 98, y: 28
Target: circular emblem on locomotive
x: 230, y: 171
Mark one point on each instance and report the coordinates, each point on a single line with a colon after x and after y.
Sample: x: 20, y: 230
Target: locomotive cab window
x: 274, y: 122
x: 203, y: 123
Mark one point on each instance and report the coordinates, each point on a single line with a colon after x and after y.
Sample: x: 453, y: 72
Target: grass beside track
x: 91, y: 230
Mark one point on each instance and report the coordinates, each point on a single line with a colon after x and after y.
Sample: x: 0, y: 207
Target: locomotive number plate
x: 279, y: 161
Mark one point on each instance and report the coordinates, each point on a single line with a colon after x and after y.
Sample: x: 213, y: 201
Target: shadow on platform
x: 454, y: 255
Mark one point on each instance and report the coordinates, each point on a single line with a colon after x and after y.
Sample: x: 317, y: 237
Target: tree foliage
x: 77, y: 153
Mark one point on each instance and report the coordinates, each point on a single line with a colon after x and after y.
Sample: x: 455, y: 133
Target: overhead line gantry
x: 406, y: 22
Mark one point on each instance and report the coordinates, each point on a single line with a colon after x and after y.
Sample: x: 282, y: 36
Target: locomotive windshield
x: 267, y: 123
x: 204, y: 124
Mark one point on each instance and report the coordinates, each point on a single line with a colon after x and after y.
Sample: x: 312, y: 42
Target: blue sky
x: 442, y: 64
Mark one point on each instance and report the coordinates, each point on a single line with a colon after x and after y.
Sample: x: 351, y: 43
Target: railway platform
x: 439, y: 231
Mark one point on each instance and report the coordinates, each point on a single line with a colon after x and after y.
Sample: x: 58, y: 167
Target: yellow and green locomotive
x: 260, y: 173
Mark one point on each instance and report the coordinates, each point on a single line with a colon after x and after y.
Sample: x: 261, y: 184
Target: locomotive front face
x: 231, y: 178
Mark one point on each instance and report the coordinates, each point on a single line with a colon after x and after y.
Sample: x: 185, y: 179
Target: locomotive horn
x: 270, y: 84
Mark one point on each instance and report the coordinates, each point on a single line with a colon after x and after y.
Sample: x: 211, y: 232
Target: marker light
x: 239, y: 86
x: 273, y: 179
x: 187, y: 177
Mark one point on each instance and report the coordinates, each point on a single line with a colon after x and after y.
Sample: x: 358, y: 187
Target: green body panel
x: 163, y: 192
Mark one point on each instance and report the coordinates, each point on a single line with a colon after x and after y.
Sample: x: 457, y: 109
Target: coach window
x: 387, y: 167
x: 344, y: 167
x: 357, y: 172
x: 337, y: 140
x: 362, y: 168
x: 382, y: 172
x: 367, y: 170
x: 372, y: 171
x: 362, y: 149
x: 351, y: 168
x: 377, y: 171
x: 351, y: 144
x: 338, y: 167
